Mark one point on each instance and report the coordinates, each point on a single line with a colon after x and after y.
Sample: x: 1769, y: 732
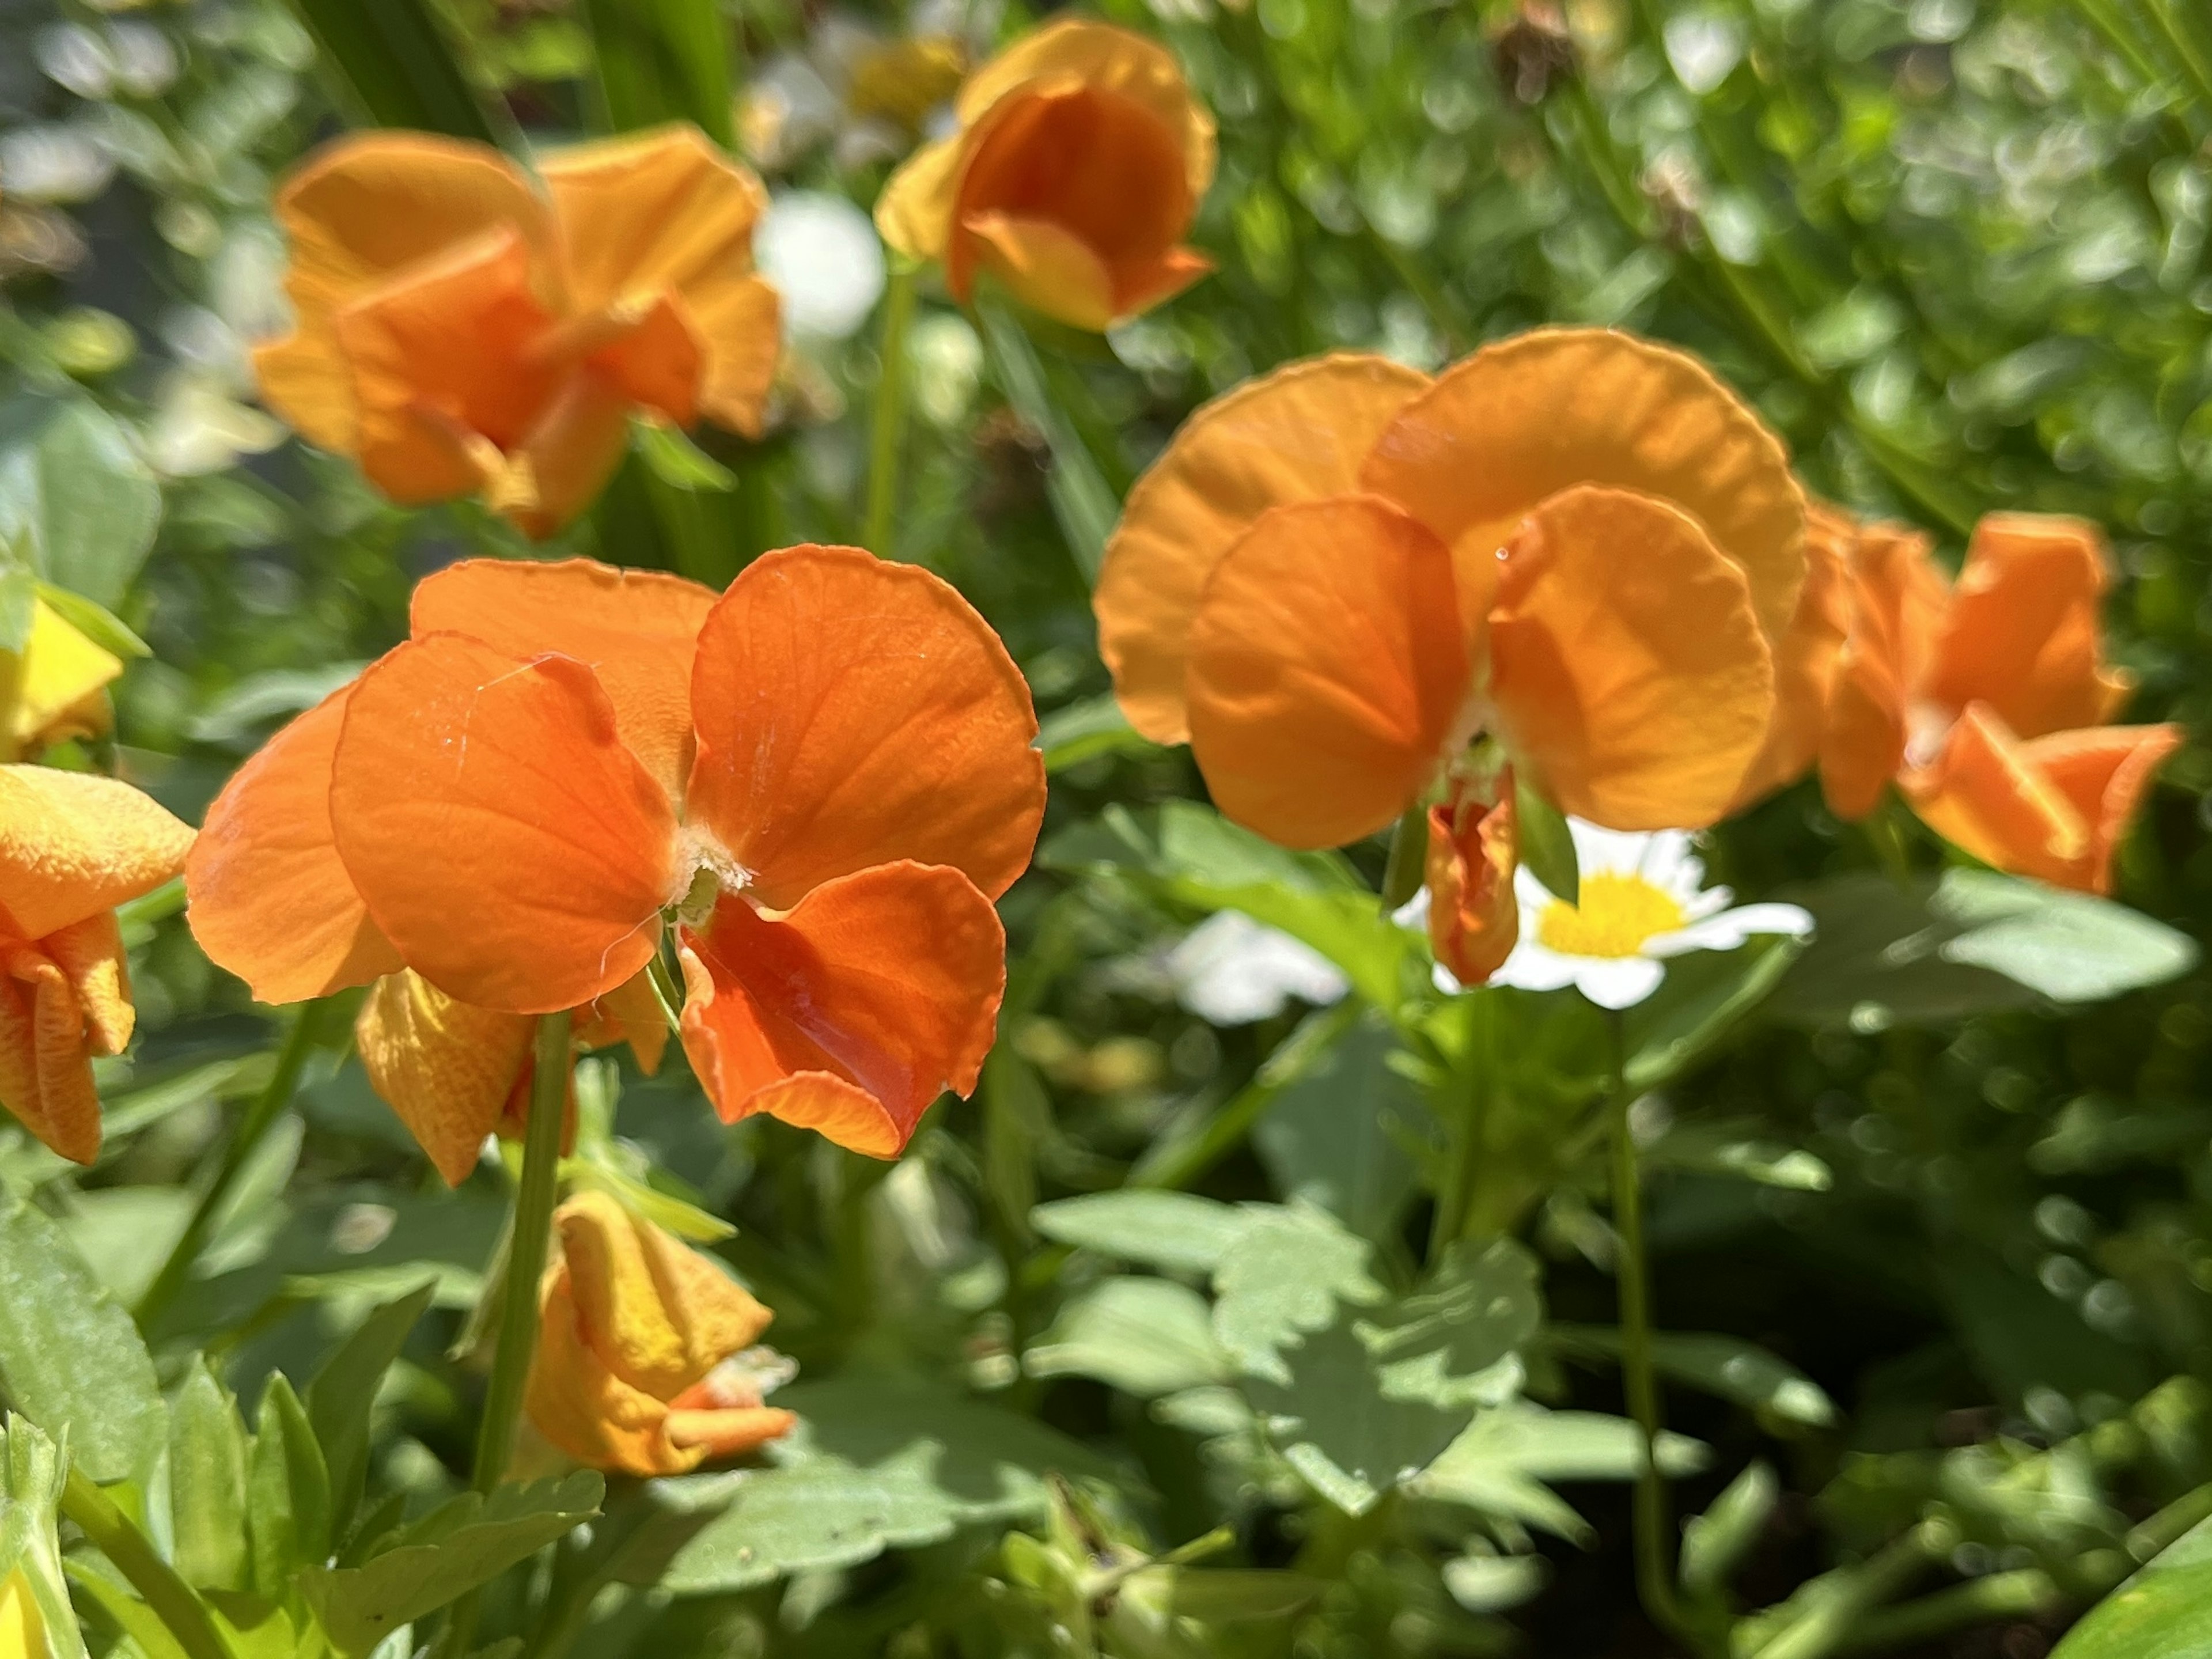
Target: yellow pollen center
x: 1618, y: 913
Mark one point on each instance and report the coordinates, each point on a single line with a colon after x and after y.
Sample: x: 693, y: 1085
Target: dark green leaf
x: 662, y: 60
x: 1082, y: 501
x: 1083, y: 730
x: 342, y: 1393
x: 392, y: 64
x: 74, y: 496
x: 1547, y: 847
x: 1703, y: 998
x: 2161, y: 1616
x: 1724, y: 1365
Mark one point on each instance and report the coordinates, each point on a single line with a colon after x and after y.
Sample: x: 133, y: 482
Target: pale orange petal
x: 1805, y: 660
x: 1627, y: 668
x: 91, y: 958
x: 1895, y: 598
x: 852, y: 711
x: 1297, y: 434
x: 1328, y: 669
x: 446, y: 1068
x: 45, y: 1071
x: 567, y: 457
x: 269, y: 898
x: 737, y: 320
x: 513, y: 851
x: 73, y: 844
x: 1147, y: 279
x: 913, y: 214
x: 630, y: 1013
x: 647, y: 212
x: 728, y: 1431
x: 1048, y: 268
x: 1474, y: 915
x: 587, y: 1412
x: 1557, y: 407
x: 2105, y: 772
x: 854, y: 1012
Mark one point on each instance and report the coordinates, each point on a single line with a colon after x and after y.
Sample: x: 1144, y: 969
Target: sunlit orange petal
x: 1626, y: 666
x: 73, y: 844
x: 46, y: 1074
x: 649, y: 212
x: 513, y: 851
x: 728, y: 1431
x: 1474, y: 917
x: 736, y: 319
x: 1547, y: 410
x: 913, y: 214
x: 92, y: 958
x: 2105, y: 772
x: 851, y: 712
x: 1143, y: 282
x: 655, y: 361
x: 587, y: 1412
x: 2022, y: 634
x: 270, y: 900
x: 630, y: 1013
x: 1328, y: 669
x: 444, y: 1068
x: 567, y: 457
x: 1895, y: 599
x: 880, y: 992
x: 1806, y: 659
x: 1048, y: 268
x: 1298, y: 435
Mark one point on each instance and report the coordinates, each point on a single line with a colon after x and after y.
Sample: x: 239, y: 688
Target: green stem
x: 667, y: 993
x: 1177, y: 1164
x: 889, y: 420
x: 2023, y: 1594
x: 1409, y: 856
x: 172, y: 1601
x: 252, y: 1129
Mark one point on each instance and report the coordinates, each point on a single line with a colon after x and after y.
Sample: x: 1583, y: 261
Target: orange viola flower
x: 1080, y: 159
x: 825, y: 777
x: 460, y: 328
x: 73, y: 845
x: 1986, y: 699
x: 639, y: 1364
x: 1336, y: 576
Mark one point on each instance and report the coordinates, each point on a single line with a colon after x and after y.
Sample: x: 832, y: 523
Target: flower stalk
x: 888, y: 418
x: 173, y: 1602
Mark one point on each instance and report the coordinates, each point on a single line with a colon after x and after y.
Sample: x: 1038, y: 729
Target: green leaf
x: 70, y: 1360
x: 131, y: 1616
x: 2156, y: 1615
x: 458, y: 1545
x: 2071, y: 947
x: 1547, y: 847
x: 1082, y: 501
x: 74, y: 496
x: 1146, y: 1337
x: 342, y: 1393
x: 1282, y: 1279
x: 288, y: 1489
x: 1724, y: 1365
x: 1479, y: 1304
x: 1504, y: 1461
x: 1337, y: 1135
x: 1083, y: 730
x: 662, y: 60
x: 1714, y: 1544
x: 391, y: 65
x: 207, y: 1483
x: 34, y: 1470
x: 1703, y: 998
x: 1735, y: 1149
x: 242, y: 709
x: 673, y: 458
x: 1173, y: 1231
x: 94, y: 621
x: 19, y: 606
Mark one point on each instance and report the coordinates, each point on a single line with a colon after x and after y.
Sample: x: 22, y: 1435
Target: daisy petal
x: 1617, y: 981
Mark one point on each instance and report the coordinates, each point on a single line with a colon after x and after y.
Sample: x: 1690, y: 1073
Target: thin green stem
x: 667, y: 993
x: 2023, y: 1593
x: 260, y: 1117
x: 888, y: 421
x: 172, y: 1601
x: 1178, y: 1162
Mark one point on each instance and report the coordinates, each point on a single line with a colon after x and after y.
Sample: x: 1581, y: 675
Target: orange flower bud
x: 1474, y: 916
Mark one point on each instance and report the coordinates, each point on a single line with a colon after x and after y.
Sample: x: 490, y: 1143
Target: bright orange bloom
x: 1986, y: 699
x: 460, y: 328
x: 825, y: 775
x: 1080, y: 159
x: 638, y: 1366
x: 1576, y: 540
x: 73, y: 845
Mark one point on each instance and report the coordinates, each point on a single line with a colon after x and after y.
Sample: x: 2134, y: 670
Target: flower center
x: 1619, y: 912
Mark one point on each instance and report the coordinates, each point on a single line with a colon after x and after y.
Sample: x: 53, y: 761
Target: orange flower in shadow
x: 825, y: 777
x: 462, y: 329
x: 1575, y: 540
x: 640, y: 1363
x: 1986, y: 699
x: 1080, y: 159
x: 72, y: 846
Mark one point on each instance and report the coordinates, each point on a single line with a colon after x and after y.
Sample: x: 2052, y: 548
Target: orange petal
x: 1142, y: 283
x: 2022, y: 634
x: 1474, y: 917
x: 636, y: 629
x: 91, y: 958
x: 851, y: 1014
x: 45, y: 1069
x: 655, y: 361
x: 73, y: 844
x: 1806, y: 659
x: 852, y: 711
x: 1048, y: 268
x: 1895, y: 598
x: 446, y: 1068
x: 630, y: 1013
x: 587, y: 1412
x: 1299, y: 433
x: 566, y: 460
x: 913, y: 214
x: 270, y: 900
x: 1626, y: 665
x: 729, y: 1431
x: 1327, y: 670
x: 649, y: 212
x: 737, y: 320
x: 515, y: 853
x: 1547, y: 410
x: 2105, y: 772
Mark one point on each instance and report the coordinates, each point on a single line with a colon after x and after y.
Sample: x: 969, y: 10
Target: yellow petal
x: 736, y: 321
x: 22, y: 1630
x: 73, y: 844
x: 59, y: 683
x: 445, y: 1067
x: 1045, y: 267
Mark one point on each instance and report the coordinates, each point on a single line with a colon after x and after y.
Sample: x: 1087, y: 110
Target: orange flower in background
x: 73, y: 845
x: 462, y: 329
x: 641, y: 1363
x: 825, y: 776
x: 1080, y: 159
x: 1337, y: 575
x: 1986, y: 699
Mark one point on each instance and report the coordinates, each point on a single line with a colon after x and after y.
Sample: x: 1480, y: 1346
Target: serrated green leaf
x: 1337, y: 1135
x: 1283, y: 1277
x: 1172, y: 1231
x: 1479, y: 1304
x: 1146, y: 1337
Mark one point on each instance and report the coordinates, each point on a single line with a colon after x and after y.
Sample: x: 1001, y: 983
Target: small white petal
x: 1230, y: 970
x: 1731, y: 928
x: 1445, y: 980
x: 1617, y: 981
x: 1532, y: 893
x: 1413, y: 914
x: 1601, y: 849
x: 1697, y: 906
x: 824, y: 258
x: 1533, y: 967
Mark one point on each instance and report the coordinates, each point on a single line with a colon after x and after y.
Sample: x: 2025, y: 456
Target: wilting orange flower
x: 640, y: 1364
x: 72, y: 846
x: 55, y: 688
x: 1986, y: 699
x: 459, y: 328
x: 1576, y: 540
x: 824, y: 775
x: 1080, y: 159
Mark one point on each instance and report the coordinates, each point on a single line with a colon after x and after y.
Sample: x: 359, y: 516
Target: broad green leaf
x: 342, y: 1393
x: 241, y: 711
x: 207, y: 1483
x: 1224, y: 1596
x: 34, y: 1470
x: 1283, y: 1277
x: 70, y: 1360
x: 1082, y: 501
x: 288, y: 1489
x: 461, y: 1543
x: 1507, y: 1458
x: 1723, y: 1365
x: 1177, y: 1231
x: 2154, y: 1615
x: 662, y: 60
x: 1547, y: 847
x: 2072, y: 947
x: 1337, y: 1135
x: 131, y: 1616
x: 1714, y: 1544
x: 1479, y: 1304
x: 392, y: 64
x: 74, y: 495
x: 1705, y: 997
x: 1082, y: 731
x: 1146, y: 1337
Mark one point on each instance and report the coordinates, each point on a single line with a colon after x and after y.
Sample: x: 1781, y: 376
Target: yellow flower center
x: 1619, y: 912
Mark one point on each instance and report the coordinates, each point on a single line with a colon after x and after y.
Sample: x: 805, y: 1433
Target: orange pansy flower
x: 461, y: 328
x: 73, y: 845
x: 638, y: 1366
x: 1986, y: 699
x: 1080, y: 159
x: 1576, y: 540
x: 825, y: 775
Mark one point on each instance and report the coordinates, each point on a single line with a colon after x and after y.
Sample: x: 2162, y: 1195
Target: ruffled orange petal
x: 655, y: 361
x: 636, y: 629
x: 853, y: 712
x: 73, y: 844
x: 1636, y: 686
x: 1474, y: 916
x: 1047, y: 267
x: 1141, y: 283
x: 854, y: 1012
x: 97, y: 968
x: 45, y: 1065
x: 1299, y: 433
x: 584, y: 1409
x: 269, y: 898
x: 1805, y: 660
x: 447, y: 1069
x: 1327, y: 670
x: 1557, y: 407
x: 2023, y: 631
x: 1895, y: 598
x: 566, y: 457
x: 513, y: 851
x: 738, y: 322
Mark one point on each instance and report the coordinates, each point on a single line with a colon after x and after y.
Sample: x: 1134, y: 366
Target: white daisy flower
x: 1644, y: 900
x: 1232, y: 970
